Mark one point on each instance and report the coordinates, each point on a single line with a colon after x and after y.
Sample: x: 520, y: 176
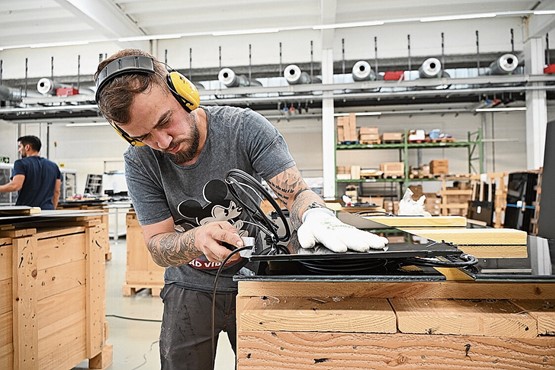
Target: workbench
x: 52, y: 291
x: 459, y: 321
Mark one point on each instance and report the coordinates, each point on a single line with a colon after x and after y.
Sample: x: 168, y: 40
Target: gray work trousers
x: 186, y: 337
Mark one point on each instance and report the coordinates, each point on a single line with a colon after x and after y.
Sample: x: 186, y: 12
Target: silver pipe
x: 363, y: 72
x: 46, y: 86
x: 230, y: 79
x: 9, y: 94
x: 505, y: 64
x: 430, y: 68
x: 294, y: 76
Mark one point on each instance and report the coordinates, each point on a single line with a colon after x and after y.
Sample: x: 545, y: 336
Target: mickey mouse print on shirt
x: 218, y: 208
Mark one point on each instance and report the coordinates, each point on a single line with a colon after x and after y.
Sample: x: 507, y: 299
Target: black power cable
x: 238, y: 183
x: 462, y: 260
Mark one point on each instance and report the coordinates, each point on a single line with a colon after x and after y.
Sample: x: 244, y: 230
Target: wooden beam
x: 25, y: 325
x: 541, y: 310
x: 423, y: 290
x: 311, y: 350
x: 473, y: 236
x: 493, y: 318
x: 313, y: 314
x: 415, y: 221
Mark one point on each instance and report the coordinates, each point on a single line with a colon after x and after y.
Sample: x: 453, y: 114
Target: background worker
x: 175, y: 170
x: 36, y: 179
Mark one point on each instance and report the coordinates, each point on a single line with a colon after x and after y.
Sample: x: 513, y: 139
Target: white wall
x: 87, y: 149
x: 460, y: 38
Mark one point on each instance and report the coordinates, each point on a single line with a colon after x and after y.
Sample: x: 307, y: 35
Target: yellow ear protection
x: 181, y: 88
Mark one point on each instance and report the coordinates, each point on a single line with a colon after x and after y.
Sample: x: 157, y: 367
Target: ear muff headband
x: 181, y: 88
x: 121, y: 66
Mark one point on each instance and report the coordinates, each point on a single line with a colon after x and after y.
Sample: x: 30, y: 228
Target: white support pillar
x: 328, y: 128
x: 536, y: 105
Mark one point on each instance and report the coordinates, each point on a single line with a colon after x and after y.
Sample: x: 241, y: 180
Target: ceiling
x: 44, y: 23
x: 67, y: 21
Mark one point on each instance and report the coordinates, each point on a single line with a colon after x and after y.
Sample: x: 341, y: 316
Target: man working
x: 37, y: 179
x: 179, y: 155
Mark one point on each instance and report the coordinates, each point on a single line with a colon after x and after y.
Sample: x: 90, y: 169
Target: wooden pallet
x: 387, y: 176
x: 392, y: 141
x: 416, y: 177
x: 371, y: 142
x: 131, y: 290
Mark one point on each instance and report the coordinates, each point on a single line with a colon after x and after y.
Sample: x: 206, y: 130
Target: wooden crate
x: 141, y: 271
x: 52, y: 300
x: 413, y: 325
x: 392, y: 137
x: 392, y: 169
x: 105, y: 224
x: 439, y: 167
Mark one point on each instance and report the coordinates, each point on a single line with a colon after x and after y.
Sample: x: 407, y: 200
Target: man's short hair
x: 31, y: 140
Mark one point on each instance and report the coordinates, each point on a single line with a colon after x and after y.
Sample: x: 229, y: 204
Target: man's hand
x: 209, y: 239
x: 321, y: 226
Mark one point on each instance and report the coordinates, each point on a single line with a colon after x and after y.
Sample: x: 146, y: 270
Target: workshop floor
x: 134, y: 337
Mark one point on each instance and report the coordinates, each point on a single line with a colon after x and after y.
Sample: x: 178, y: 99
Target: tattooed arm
x: 292, y: 190
x: 171, y: 248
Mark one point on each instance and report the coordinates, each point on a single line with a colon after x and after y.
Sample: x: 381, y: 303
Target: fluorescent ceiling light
x: 245, y: 32
x: 87, y: 124
x: 544, y: 12
x: 458, y: 17
x: 359, y: 114
x: 348, y: 25
x: 500, y: 109
x: 55, y: 44
x: 151, y: 37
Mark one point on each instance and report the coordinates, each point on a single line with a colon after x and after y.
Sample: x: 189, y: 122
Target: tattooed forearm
x: 290, y: 187
x: 173, y: 249
x: 287, y: 184
x: 300, y: 205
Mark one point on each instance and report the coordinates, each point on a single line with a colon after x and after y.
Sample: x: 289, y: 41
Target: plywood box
x: 141, y: 271
x: 52, y: 295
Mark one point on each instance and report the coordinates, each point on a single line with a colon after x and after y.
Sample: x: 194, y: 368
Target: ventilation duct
x: 231, y: 79
x: 295, y: 76
x: 9, y: 94
x: 505, y: 64
x: 46, y: 86
x: 363, y: 72
x: 430, y: 68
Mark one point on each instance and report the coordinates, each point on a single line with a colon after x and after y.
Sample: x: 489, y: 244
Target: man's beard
x: 189, y: 153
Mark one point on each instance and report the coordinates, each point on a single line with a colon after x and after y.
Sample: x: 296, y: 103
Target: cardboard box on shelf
x: 355, y: 172
x: 349, y: 125
x: 370, y: 138
x: 392, y: 136
x: 392, y: 169
x: 439, y: 166
x: 368, y: 130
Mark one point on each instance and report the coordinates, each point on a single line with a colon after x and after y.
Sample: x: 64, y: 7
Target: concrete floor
x: 136, y: 342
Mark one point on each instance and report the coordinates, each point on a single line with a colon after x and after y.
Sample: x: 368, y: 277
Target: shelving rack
x: 474, y: 145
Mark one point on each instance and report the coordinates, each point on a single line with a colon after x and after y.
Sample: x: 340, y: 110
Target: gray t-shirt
x: 194, y: 195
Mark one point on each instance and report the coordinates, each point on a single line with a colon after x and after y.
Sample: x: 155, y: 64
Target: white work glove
x: 409, y: 207
x: 321, y: 225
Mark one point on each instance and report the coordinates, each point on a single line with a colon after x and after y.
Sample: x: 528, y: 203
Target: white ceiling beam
x: 104, y: 16
x: 539, y: 25
x: 328, y: 13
